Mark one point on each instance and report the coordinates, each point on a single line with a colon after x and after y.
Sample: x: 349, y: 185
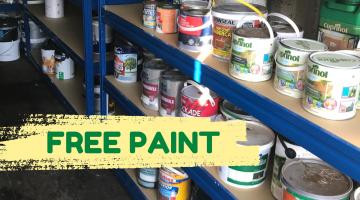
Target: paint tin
x: 284, y: 152
x: 198, y: 101
x: 148, y: 177
x: 65, y: 68
x: 332, y: 85
x: 54, y: 8
x: 125, y: 63
x: 166, y: 17
x: 294, y: 52
x: 252, y: 52
x: 48, y: 58
x: 9, y: 39
x: 314, y: 179
x: 149, y: 14
x: 174, y: 184
x: 150, y: 77
x: 171, y: 84
x: 251, y: 176
x: 232, y: 112
x: 195, y: 26
x: 356, y: 194
x: 225, y: 19
x: 289, y: 80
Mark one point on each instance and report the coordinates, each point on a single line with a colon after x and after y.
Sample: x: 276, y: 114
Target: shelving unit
x: 5, y: 7
x: 336, y: 142
x: 73, y: 34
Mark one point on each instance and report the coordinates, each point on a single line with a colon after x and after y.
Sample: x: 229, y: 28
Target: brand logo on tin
x: 335, y: 27
x: 315, y: 70
x: 287, y: 55
x: 241, y: 43
x: 224, y: 21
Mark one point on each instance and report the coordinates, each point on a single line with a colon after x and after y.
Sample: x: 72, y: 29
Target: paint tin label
x: 222, y: 34
x: 193, y: 108
x: 150, y: 95
x: 290, y: 80
x: 48, y: 61
x: 173, y: 186
x: 168, y: 105
x: 166, y: 20
x: 251, y: 59
x: 125, y: 67
x: 149, y: 14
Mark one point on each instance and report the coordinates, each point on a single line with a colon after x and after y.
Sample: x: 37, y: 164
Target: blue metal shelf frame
x: 88, y: 48
x: 5, y: 7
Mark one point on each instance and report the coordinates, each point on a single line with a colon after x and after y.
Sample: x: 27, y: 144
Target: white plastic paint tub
x: 54, y: 8
x: 65, y: 67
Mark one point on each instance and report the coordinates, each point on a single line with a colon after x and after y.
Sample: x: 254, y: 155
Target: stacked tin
x: 290, y: 59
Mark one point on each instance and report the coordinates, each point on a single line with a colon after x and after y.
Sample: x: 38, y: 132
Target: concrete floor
x: 23, y: 92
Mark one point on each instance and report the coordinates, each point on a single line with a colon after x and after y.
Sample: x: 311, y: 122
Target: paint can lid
x: 315, y: 179
x: 196, y: 12
x: 282, y: 27
x: 173, y: 175
x: 336, y: 60
x: 194, y: 5
x: 173, y: 75
x: 237, y: 9
x: 258, y: 134
x: 155, y: 64
x: 235, y: 112
x: 194, y: 93
x: 250, y: 32
x: 167, y: 5
x: 303, y: 44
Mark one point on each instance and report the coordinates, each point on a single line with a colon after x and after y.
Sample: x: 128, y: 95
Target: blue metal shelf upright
x: 84, y: 58
x: 336, y: 142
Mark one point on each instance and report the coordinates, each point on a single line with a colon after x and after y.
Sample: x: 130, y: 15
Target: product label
x: 222, y: 34
x: 338, y: 41
x: 276, y: 186
x: 197, y: 38
x: 125, y: 67
x: 192, y: 108
x: 149, y: 16
x: 337, y: 26
x: 48, y: 61
x: 290, y: 82
x: 168, y: 103
x: 166, y: 20
x: 150, y: 90
x: 287, y: 55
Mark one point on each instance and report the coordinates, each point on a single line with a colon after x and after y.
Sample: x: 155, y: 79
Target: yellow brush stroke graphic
x: 30, y: 149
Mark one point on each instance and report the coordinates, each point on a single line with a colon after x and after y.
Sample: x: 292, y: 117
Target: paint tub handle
x: 288, y: 20
x: 204, y: 90
x: 197, y: 28
x: 255, y: 17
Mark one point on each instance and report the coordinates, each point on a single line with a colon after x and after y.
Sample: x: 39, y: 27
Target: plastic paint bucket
x: 174, y: 184
x: 294, y: 52
x: 198, y: 101
x: 314, y: 179
x: 37, y: 36
x: 284, y: 152
x: 232, y: 112
x: 171, y: 84
x: 290, y: 80
x: 65, y: 68
x: 332, y: 85
x: 150, y: 77
x: 252, y: 52
x: 149, y: 14
x: 195, y: 26
x: 166, y: 17
x: 9, y: 40
x: 54, y: 8
x: 148, y: 177
x: 225, y: 19
x: 251, y: 176
x: 125, y: 63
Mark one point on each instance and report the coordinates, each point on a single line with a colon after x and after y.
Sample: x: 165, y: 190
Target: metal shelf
x: 128, y: 96
x: 5, y: 7
x: 336, y: 142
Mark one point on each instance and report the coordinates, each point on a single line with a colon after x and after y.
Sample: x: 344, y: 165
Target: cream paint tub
x: 65, y: 67
x: 295, y: 51
x: 332, y: 85
x: 289, y: 80
x: 251, y: 176
x: 252, y: 56
x: 280, y: 159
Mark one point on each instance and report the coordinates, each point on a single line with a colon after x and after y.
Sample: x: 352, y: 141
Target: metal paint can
x: 171, y: 84
x: 195, y: 26
x: 232, y: 112
x: 252, y: 52
x: 332, y: 85
x: 290, y: 80
x: 150, y: 77
x: 149, y: 14
x: 314, y: 179
x: 294, y: 52
x: 225, y: 19
x: 125, y: 64
x: 148, y: 177
x: 284, y: 152
x: 65, y: 67
x: 198, y: 101
x: 174, y: 184
x: 251, y: 176
x: 166, y: 17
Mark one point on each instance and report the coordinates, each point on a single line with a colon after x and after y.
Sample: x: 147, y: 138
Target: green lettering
x: 158, y: 143
x: 133, y: 143
x: 183, y: 139
x: 109, y: 142
x: 173, y: 142
x: 209, y: 135
x: 91, y: 142
x: 74, y: 144
x: 51, y: 141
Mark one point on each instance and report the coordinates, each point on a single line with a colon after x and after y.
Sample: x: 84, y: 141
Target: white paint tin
x: 295, y: 51
x: 9, y: 51
x: 125, y: 63
x: 48, y: 61
x: 279, y: 160
x: 65, y: 67
x: 54, y: 8
x: 252, y: 52
x: 332, y: 85
x: 251, y: 176
x: 147, y: 177
x: 289, y: 80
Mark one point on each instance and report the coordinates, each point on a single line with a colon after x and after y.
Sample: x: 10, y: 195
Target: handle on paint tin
x: 289, y: 152
x: 288, y: 20
x: 198, y: 28
x: 204, y: 90
x: 255, y: 17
